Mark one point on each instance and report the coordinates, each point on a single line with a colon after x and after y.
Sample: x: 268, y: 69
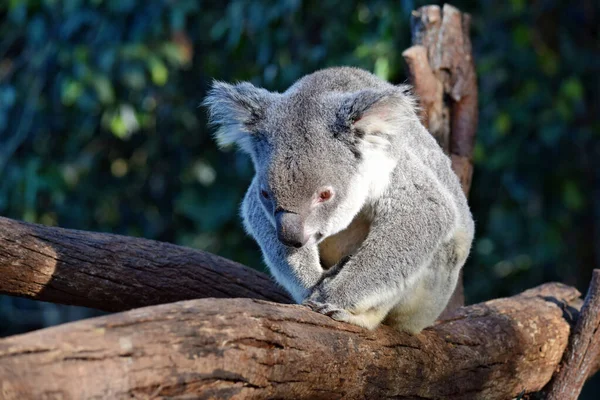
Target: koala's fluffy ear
x: 236, y: 109
x: 377, y: 114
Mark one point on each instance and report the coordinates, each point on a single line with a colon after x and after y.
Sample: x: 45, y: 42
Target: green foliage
x: 100, y: 127
x: 537, y: 163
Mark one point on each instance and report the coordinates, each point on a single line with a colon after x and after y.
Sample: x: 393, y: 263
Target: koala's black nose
x: 290, y: 229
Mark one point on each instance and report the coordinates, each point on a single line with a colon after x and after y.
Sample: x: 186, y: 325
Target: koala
x: 353, y: 203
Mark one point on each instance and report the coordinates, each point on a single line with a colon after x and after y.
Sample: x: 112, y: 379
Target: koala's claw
x: 365, y: 320
x: 329, y: 309
x: 342, y: 316
x: 313, y: 305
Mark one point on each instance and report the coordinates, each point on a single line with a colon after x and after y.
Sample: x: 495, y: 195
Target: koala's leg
x: 418, y: 308
x: 422, y: 306
x: 393, y: 261
x: 297, y: 270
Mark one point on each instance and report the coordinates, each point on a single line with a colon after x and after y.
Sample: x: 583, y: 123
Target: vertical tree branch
x: 581, y: 356
x: 442, y: 71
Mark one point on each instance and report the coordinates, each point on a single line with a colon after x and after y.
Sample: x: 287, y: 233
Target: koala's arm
x: 411, y: 223
x: 297, y: 270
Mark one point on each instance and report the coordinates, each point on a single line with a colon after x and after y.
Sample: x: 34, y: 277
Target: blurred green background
x: 100, y: 127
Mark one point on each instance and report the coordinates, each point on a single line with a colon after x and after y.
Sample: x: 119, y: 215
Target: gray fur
x: 346, y: 131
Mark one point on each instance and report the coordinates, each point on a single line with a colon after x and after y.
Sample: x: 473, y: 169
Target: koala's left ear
x: 375, y: 114
x: 236, y: 109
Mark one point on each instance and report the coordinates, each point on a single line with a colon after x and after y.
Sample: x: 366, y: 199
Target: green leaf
x: 522, y: 35
x: 478, y: 153
x: 548, y: 61
x: 382, y: 67
x: 572, y: 196
x: 173, y: 54
x: 118, y: 127
x: 71, y: 90
x: 572, y: 88
x: 517, y: 5
x: 503, y: 123
x: 159, y: 71
x: 104, y: 89
x: 134, y: 78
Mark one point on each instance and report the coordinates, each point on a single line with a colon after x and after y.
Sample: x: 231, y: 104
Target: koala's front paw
x: 369, y: 320
x: 319, y: 301
x: 329, y: 309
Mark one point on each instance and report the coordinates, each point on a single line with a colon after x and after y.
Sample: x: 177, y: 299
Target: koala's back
x: 433, y: 157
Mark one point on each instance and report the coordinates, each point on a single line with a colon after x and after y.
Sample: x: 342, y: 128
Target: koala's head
x: 321, y: 150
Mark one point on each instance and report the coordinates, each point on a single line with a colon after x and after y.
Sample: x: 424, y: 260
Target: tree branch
x: 442, y: 71
x: 582, y: 355
x: 243, y: 348
x: 116, y: 273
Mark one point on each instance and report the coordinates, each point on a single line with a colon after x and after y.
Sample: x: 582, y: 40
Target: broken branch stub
x: 442, y: 71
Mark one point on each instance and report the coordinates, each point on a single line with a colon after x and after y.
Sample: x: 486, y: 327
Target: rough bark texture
x: 116, y: 273
x: 582, y: 355
x: 244, y: 348
x: 442, y: 71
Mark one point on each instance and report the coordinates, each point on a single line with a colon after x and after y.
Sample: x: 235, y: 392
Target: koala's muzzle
x: 290, y: 229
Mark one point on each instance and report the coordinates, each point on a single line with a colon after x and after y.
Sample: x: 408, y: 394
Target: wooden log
x: 244, y: 348
x: 582, y: 355
x: 116, y: 273
x: 442, y: 71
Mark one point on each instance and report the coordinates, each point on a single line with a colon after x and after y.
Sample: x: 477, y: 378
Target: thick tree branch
x: 244, y: 348
x: 441, y: 68
x: 582, y: 355
x: 116, y: 273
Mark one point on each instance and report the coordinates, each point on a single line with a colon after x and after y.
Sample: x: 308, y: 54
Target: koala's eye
x: 264, y: 194
x: 325, y: 195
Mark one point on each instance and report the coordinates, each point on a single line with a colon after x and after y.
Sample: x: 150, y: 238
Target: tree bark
x: 442, y: 71
x: 583, y: 353
x: 115, y: 273
x: 244, y: 348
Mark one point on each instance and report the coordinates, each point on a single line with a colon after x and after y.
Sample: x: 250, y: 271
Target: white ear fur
x: 235, y: 109
x: 229, y: 135
x: 385, y: 116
